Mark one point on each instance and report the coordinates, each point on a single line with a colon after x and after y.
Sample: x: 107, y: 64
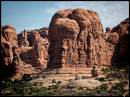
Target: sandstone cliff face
x: 74, y: 38
x: 114, y: 47
x: 108, y: 43
x: 121, y: 54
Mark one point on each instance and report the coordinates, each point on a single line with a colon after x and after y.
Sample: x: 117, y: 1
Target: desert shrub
x: 104, y: 87
x: 105, y: 70
x: 54, y: 86
x: 13, y: 88
x: 117, y: 72
x: 70, y: 86
x: 114, y: 92
x: 21, y: 88
x: 77, y: 77
x: 59, y: 82
x: 54, y: 81
x: 27, y: 77
x: 120, y: 86
x: 102, y: 79
x: 84, y: 77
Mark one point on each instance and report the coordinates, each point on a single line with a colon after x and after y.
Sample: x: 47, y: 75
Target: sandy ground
x: 45, y: 79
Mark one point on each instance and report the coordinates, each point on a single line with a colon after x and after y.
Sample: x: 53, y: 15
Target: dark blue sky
x: 36, y: 14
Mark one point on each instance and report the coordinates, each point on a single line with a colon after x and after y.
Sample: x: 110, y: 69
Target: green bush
x: 24, y: 88
x: 102, y: 79
x: 54, y: 86
x: 20, y: 88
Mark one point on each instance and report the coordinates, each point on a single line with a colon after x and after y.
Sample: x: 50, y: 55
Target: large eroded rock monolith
x: 74, y: 36
x: 8, y: 60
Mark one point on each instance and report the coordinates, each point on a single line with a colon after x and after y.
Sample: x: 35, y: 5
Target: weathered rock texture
x: 9, y: 55
x: 26, y: 37
x: 23, y: 39
x: 108, y: 42
x: 40, y: 50
x: 38, y: 40
x: 75, y: 39
x: 115, y: 45
x: 11, y: 64
x: 43, y: 31
x: 121, y: 54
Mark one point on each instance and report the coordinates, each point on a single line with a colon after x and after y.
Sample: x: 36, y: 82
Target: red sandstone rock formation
x: 107, y: 44
x: 43, y: 31
x: 40, y: 50
x: 39, y: 42
x: 74, y: 38
x: 11, y: 65
x: 121, y: 54
x: 115, y: 45
x: 26, y: 38
x: 23, y: 39
x: 77, y: 40
x: 8, y: 42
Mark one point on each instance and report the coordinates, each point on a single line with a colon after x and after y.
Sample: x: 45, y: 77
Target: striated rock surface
x: 74, y: 39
